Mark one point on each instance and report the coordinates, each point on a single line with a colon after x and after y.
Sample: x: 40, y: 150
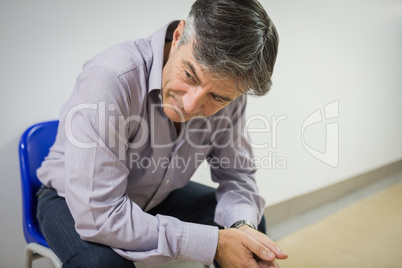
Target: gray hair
x: 233, y: 39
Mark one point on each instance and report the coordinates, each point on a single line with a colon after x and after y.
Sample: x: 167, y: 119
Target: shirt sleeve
x: 98, y: 128
x: 232, y: 167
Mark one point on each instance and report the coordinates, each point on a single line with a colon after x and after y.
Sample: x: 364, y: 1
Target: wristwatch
x: 241, y: 223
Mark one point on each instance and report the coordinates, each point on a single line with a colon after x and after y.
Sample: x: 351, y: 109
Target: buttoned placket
x: 175, y: 148
x: 158, y: 114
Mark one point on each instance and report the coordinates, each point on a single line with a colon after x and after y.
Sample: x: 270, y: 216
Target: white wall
x: 345, y: 51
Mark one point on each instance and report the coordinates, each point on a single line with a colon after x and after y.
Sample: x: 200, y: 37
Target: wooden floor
x: 365, y: 234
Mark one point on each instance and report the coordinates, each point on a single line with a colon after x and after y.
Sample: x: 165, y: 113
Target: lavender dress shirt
x: 117, y: 155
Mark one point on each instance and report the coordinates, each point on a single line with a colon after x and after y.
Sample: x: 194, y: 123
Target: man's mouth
x: 178, y: 107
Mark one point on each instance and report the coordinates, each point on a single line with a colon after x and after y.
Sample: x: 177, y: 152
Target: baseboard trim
x: 293, y: 214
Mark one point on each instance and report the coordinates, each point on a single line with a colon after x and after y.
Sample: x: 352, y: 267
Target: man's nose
x: 193, y: 101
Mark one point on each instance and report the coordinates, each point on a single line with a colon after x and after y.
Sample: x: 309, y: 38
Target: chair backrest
x: 33, y: 148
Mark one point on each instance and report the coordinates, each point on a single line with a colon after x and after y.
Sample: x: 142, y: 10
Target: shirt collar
x: 157, y: 42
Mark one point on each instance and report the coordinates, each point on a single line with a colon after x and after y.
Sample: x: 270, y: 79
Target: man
x: 142, y: 117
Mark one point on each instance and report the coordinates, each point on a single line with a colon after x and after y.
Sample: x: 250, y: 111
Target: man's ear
x: 178, y: 33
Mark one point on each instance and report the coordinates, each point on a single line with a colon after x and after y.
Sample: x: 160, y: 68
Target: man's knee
x: 99, y: 256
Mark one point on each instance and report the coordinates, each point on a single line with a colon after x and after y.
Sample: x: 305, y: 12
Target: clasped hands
x: 247, y: 248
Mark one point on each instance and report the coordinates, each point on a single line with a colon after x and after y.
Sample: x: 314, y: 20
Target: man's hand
x: 247, y: 248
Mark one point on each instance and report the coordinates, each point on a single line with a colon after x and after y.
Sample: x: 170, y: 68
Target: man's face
x: 187, y: 90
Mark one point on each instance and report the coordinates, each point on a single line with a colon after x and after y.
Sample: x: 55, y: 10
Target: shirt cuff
x: 199, y: 243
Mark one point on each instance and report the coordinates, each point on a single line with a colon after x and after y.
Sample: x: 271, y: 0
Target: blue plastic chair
x: 33, y: 148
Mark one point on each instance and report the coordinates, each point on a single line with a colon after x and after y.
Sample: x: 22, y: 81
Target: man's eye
x: 217, y: 98
x: 189, y: 76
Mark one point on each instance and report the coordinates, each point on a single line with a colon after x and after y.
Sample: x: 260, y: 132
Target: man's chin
x: 175, y: 116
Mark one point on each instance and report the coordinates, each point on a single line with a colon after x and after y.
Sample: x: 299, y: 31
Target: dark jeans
x: 193, y: 203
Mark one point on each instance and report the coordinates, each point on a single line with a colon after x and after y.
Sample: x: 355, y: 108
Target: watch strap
x: 241, y: 223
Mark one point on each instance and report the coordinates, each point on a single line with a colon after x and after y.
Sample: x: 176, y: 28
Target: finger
x: 268, y: 264
x: 259, y: 249
x: 270, y: 244
x: 273, y: 265
x: 280, y: 254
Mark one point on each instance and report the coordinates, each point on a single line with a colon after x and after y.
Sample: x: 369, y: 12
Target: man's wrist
x: 238, y: 224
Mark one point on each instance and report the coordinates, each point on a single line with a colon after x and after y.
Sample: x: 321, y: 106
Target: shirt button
x: 167, y: 181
